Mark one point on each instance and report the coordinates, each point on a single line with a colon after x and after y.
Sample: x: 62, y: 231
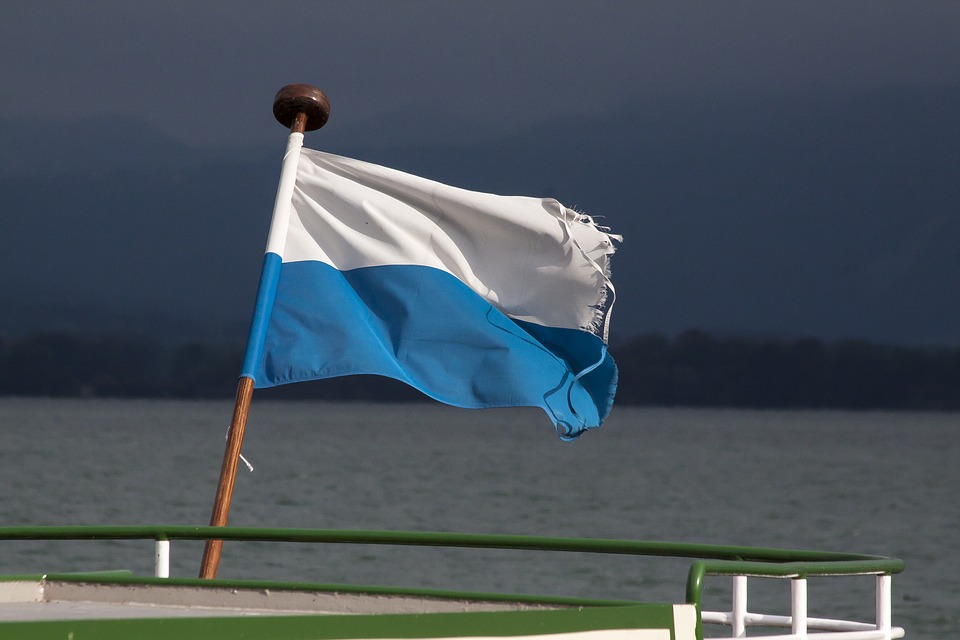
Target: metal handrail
x: 725, y: 560
x: 441, y: 539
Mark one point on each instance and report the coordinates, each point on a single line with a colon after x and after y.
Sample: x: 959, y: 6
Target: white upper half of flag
x: 533, y: 259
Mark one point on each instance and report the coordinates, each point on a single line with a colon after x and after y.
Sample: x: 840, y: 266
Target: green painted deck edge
x: 328, y: 627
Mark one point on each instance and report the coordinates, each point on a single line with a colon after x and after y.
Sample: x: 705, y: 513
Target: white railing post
x: 798, y: 606
x: 739, y: 607
x: 162, y: 559
x: 884, y: 606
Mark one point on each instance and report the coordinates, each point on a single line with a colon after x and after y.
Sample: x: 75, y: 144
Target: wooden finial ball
x: 301, y: 98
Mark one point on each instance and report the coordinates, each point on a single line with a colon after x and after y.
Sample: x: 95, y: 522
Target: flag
x: 477, y: 300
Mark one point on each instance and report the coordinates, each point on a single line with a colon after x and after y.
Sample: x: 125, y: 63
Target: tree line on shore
x: 691, y: 369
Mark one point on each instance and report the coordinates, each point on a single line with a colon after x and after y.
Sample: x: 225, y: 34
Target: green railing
x: 737, y: 562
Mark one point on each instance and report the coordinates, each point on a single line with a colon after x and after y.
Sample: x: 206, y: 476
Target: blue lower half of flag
x: 423, y: 326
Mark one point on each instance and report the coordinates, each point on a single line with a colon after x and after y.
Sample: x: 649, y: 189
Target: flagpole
x: 301, y: 108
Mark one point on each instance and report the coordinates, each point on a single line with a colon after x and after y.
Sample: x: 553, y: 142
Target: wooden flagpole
x: 301, y: 108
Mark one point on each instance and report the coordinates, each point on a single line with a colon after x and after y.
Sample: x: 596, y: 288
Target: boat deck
x: 117, y: 605
x: 57, y: 600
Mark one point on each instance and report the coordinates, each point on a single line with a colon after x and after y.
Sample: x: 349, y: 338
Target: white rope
x: 226, y: 437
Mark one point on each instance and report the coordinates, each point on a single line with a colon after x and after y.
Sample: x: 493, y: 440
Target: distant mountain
x: 174, y: 237
x: 830, y: 215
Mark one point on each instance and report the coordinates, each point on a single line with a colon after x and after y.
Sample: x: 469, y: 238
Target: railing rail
x: 738, y: 562
x: 799, y: 622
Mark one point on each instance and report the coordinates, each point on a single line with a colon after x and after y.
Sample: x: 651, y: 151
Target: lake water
x: 878, y: 483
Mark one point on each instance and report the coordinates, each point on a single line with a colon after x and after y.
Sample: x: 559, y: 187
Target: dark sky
x: 454, y: 71
x: 784, y: 168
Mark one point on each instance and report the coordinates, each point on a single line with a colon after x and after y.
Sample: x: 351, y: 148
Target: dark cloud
x: 459, y: 70
x: 783, y: 167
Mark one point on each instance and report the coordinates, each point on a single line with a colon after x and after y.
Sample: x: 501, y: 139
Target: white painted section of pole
x: 739, y: 607
x: 798, y: 606
x: 162, y: 559
x: 277, y: 238
x: 884, y: 603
